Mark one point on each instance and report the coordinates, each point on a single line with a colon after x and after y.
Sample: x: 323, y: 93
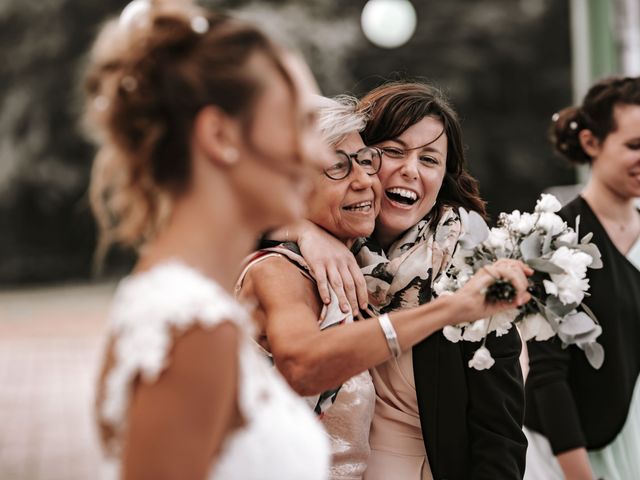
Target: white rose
x: 535, y: 326
x: 453, y: 334
x: 568, y: 237
x: 550, y: 287
x: 548, y: 203
x: 525, y: 224
x: 551, y: 223
x: 503, y: 330
x: 482, y: 359
x: 498, y: 238
x: 573, y: 262
x: 501, y: 322
x: 572, y: 284
x: 570, y: 289
x: 545, y: 332
x: 509, y: 220
x: 500, y: 242
x: 475, y: 331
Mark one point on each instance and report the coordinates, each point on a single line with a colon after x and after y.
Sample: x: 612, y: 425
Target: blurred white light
x: 388, y: 23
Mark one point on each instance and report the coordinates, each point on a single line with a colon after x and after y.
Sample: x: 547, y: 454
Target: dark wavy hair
x: 595, y: 114
x: 394, y: 107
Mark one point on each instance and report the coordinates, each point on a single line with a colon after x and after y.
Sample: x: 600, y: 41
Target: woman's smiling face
x: 616, y: 160
x: 346, y: 208
x: 413, y: 168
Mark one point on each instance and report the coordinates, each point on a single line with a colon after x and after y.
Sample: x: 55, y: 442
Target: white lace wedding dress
x: 281, y: 438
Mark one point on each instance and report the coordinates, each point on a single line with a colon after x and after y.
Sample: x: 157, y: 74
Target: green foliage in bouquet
x: 560, y: 259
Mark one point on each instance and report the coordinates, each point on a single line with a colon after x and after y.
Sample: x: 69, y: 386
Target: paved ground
x: 50, y: 342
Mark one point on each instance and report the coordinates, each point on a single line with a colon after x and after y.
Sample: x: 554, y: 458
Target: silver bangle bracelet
x: 390, y: 335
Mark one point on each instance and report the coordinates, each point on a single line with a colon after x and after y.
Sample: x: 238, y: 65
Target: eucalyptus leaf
x: 546, y: 244
x: 531, y: 247
x: 588, y: 336
x: 576, y: 324
x: 558, y: 307
x: 538, y: 303
x: 542, y: 265
x: 595, y: 354
x: 593, y: 251
x: 474, y: 229
x: 587, y: 238
x: 559, y: 244
x: 589, y: 312
x: 552, y: 318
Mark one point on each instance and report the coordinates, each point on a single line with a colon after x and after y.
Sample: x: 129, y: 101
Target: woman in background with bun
x: 585, y: 423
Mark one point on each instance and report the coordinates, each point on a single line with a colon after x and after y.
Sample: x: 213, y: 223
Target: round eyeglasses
x: 369, y: 159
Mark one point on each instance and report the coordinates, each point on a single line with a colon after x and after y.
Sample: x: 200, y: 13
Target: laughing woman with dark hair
x: 435, y: 417
x: 318, y: 348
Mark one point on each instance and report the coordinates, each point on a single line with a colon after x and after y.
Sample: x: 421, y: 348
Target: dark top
x: 568, y: 401
x: 471, y: 420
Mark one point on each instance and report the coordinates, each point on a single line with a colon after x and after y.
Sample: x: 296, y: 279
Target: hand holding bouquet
x: 560, y: 260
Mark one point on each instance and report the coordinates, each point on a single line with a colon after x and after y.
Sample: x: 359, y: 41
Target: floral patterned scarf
x: 403, y: 276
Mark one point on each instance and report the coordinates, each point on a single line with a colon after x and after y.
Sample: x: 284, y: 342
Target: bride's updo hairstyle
x: 150, y: 72
x: 396, y: 106
x: 595, y: 114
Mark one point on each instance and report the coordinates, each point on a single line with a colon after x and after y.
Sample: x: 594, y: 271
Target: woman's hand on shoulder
x: 332, y: 263
x: 472, y: 294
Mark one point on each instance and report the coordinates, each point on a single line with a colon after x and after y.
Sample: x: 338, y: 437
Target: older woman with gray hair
x: 321, y: 351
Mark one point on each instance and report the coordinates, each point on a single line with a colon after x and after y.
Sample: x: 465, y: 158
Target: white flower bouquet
x: 560, y: 259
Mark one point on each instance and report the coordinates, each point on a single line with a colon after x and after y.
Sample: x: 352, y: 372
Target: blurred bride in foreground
x: 202, y: 125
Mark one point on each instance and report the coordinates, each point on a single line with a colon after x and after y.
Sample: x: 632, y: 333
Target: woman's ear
x: 216, y: 134
x: 589, y: 143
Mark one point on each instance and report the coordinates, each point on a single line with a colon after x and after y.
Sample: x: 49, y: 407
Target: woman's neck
x: 214, y: 247
x: 610, y: 205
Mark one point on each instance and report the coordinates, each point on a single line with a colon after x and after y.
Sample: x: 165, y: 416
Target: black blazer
x: 568, y: 401
x: 471, y: 420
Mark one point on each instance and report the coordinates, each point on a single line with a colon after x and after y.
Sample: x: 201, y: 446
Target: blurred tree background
x: 505, y: 65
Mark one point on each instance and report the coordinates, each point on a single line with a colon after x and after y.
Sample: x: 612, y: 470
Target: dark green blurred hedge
x: 505, y: 64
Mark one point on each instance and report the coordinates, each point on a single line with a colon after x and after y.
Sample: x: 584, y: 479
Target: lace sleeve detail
x: 149, y: 310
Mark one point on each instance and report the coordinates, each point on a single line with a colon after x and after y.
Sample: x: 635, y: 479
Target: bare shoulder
x: 203, y: 361
x: 209, y: 345
x: 195, y: 398
x: 276, y: 280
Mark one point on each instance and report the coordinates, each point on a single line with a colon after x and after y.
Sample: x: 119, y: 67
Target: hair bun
x: 563, y: 133
x: 150, y: 72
